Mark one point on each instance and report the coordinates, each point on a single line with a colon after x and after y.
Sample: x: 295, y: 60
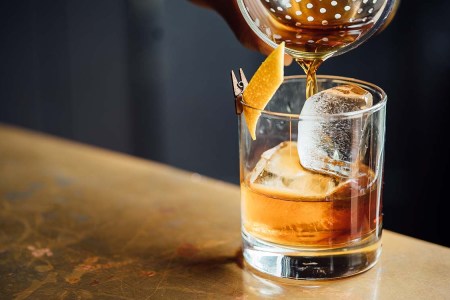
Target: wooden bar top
x: 78, y: 222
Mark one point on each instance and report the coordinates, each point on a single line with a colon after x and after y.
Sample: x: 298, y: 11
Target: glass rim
x: 346, y: 115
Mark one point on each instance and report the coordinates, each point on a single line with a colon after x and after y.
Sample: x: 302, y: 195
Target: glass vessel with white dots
x: 315, y: 30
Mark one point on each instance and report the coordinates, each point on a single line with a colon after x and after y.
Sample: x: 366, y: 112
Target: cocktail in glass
x: 305, y: 222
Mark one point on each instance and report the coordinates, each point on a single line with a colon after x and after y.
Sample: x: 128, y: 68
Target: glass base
x: 305, y: 263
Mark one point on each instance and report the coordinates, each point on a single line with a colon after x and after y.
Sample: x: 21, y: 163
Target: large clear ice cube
x: 279, y: 173
x: 328, y: 144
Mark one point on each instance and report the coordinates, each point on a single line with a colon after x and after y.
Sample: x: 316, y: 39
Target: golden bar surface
x: 78, y: 222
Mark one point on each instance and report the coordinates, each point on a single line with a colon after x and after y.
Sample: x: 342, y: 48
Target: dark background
x: 151, y: 78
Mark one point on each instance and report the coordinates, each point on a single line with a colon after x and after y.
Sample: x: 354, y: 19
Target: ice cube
x: 279, y: 173
x: 332, y: 145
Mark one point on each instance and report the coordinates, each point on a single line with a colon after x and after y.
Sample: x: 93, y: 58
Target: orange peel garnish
x: 263, y: 85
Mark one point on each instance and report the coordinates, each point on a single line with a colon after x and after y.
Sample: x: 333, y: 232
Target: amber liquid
x: 316, y: 44
x: 302, y: 222
x: 315, y: 30
x: 309, y: 223
x: 310, y: 68
x: 307, y: 208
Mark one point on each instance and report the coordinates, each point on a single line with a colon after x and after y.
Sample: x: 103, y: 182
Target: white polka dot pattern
x: 323, y: 24
x: 293, y: 9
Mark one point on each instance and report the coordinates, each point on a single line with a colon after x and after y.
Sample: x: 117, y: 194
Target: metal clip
x: 238, y: 89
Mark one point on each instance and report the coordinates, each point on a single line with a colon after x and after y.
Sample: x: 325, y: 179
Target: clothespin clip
x: 238, y: 89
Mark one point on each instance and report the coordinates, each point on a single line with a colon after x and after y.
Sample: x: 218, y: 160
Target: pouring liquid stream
x: 315, y: 30
x: 310, y: 67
